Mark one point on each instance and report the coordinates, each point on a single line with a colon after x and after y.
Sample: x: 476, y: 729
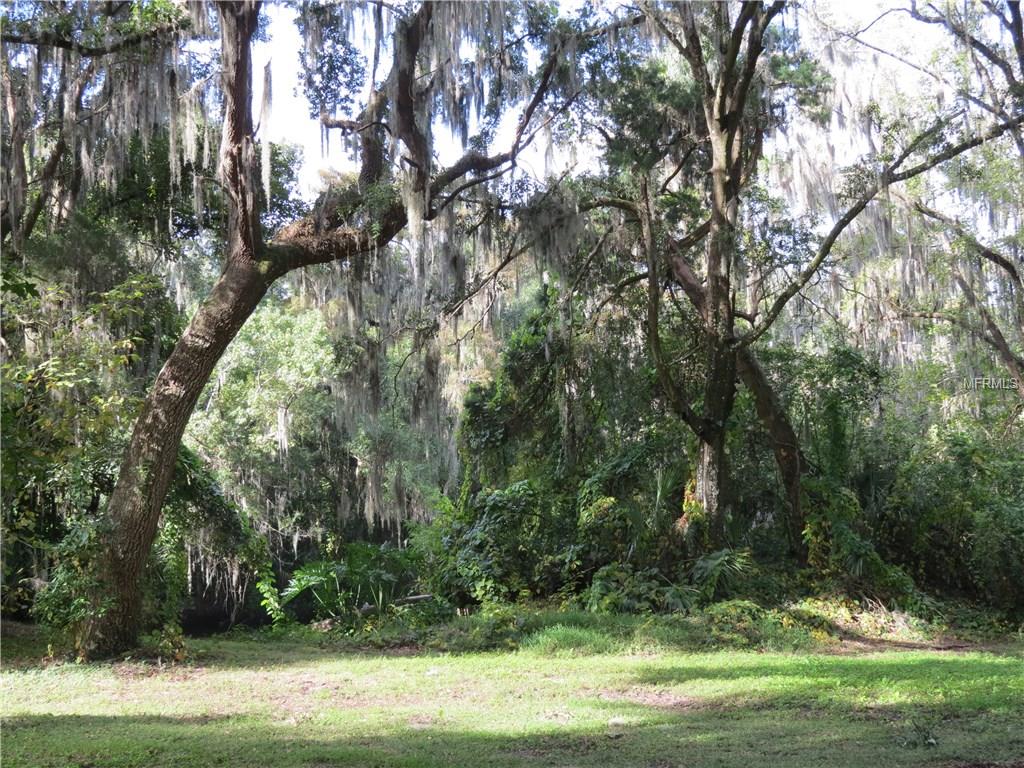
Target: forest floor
x: 285, y: 701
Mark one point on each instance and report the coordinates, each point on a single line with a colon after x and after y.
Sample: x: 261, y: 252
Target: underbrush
x: 822, y: 622
x: 811, y: 623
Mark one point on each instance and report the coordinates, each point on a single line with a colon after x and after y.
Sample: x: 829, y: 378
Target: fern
x: 714, y: 575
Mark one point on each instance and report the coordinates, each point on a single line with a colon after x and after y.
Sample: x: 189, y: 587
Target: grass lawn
x: 274, y: 702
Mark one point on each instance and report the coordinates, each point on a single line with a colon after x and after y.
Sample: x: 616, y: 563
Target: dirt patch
x: 303, y: 695
x: 422, y: 722
x: 854, y: 644
x: 128, y: 670
x: 655, y: 697
x: 141, y: 670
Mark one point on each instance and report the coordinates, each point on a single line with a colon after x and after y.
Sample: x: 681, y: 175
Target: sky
x: 876, y: 76
x: 289, y: 119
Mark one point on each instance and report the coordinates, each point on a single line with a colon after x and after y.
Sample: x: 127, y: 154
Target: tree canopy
x: 612, y: 301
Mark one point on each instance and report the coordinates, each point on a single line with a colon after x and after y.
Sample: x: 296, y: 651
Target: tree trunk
x: 712, y: 474
x: 148, y: 464
x: 712, y: 486
x: 785, y: 445
x: 720, y: 384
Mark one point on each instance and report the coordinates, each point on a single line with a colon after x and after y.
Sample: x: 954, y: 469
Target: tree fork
x: 251, y: 267
x: 148, y: 464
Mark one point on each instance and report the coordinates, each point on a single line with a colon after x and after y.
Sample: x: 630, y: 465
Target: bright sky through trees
x: 874, y: 76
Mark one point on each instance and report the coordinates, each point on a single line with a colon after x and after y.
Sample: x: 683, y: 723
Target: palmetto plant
x: 715, y: 573
x: 366, y: 576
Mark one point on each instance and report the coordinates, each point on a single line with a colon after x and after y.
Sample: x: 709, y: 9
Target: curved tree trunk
x: 251, y: 268
x: 148, y: 464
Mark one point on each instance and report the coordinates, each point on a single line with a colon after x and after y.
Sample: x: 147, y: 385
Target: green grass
x: 572, y: 695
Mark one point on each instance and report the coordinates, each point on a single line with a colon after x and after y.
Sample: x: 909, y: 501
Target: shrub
x: 955, y: 517
x: 167, y: 643
x: 715, y: 575
x: 837, y: 548
x: 72, y: 602
x: 619, y: 588
x: 368, y: 576
x: 503, y: 545
x: 743, y: 623
x: 997, y: 553
x: 494, y: 627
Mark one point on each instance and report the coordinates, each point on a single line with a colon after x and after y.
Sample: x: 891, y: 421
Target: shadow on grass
x: 896, y: 685
x: 637, y: 736
x: 708, y: 709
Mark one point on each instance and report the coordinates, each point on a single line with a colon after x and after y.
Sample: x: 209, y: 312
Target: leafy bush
x: 837, y: 548
x: 741, y: 623
x: 270, y: 596
x: 954, y: 515
x: 72, y: 602
x: 563, y: 474
x: 499, y: 545
x: 715, y: 575
x: 167, y: 643
x: 427, y: 541
x: 997, y: 553
x: 623, y: 589
x: 368, y: 576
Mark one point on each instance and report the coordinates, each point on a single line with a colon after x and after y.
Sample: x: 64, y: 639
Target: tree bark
x: 148, y: 463
x: 785, y: 445
x: 719, y: 396
x: 713, y: 486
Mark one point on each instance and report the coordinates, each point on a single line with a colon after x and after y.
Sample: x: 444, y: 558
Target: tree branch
x: 672, y: 390
x: 984, y: 251
x: 49, y: 38
x: 888, y: 177
x: 960, y: 30
x: 1012, y: 360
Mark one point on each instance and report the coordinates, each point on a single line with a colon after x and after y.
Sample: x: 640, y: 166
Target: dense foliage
x: 523, y: 395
